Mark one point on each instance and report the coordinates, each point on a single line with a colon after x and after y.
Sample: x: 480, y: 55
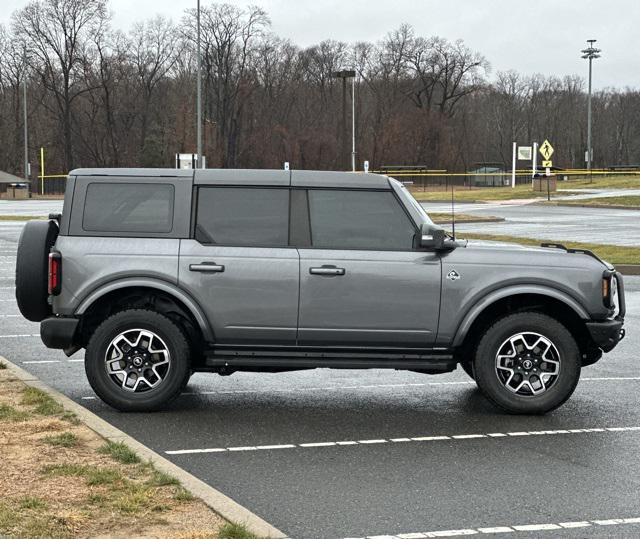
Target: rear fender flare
x: 496, y: 295
x: 157, y: 284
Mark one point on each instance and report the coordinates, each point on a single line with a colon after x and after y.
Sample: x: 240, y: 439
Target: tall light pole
x: 344, y: 75
x: 199, y: 87
x: 353, y: 123
x: 590, y: 53
x: 24, y: 113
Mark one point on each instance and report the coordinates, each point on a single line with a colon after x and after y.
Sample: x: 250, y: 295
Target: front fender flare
x: 158, y: 284
x: 496, y: 295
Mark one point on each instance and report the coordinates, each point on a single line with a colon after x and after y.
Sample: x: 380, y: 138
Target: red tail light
x: 55, y: 273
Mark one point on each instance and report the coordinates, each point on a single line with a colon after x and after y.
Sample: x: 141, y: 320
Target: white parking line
x: 36, y: 362
x: 455, y: 437
x: 19, y: 336
x: 507, y: 529
x: 10, y: 316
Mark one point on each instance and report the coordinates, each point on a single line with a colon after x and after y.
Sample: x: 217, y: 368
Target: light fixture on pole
x: 590, y: 53
x: 344, y: 75
x: 199, y: 91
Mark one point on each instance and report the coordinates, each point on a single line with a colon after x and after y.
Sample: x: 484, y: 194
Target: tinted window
x: 128, y: 207
x: 243, y: 216
x: 358, y: 220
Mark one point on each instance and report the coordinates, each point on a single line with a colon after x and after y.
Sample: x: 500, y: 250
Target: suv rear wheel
x: 527, y: 363
x: 138, y: 361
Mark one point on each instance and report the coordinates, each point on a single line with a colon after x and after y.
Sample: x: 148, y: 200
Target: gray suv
x: 162, y: 273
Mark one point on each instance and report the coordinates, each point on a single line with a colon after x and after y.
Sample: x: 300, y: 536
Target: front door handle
x: 206, y: 267
x: 327, y: 270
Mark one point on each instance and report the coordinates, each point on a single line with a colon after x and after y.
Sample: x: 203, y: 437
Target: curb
x: 596, y: 206
x: 628, y: 269
x: 214, y: 499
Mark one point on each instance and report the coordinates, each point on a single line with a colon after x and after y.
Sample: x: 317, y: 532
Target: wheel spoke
x: 527, y: 364
x: 137, y: 360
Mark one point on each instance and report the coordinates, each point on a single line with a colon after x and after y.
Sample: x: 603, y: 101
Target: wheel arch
x: 123, y: 287
x: 552, y: 302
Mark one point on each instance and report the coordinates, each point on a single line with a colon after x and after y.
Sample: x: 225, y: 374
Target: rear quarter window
x: 128, y: 207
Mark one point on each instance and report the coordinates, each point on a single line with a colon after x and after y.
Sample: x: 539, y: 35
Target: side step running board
x: 435, y: 363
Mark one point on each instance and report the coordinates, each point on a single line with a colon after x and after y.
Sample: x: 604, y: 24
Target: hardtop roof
x: 295, y: 178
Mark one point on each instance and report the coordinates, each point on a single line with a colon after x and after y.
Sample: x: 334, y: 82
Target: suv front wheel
x: 138, y: 361
x: 527, y: 363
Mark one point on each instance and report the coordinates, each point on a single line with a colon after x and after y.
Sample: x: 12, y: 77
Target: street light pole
x: 353, y: 124
x: 590, y: 53
x: 24, y: 113
x: 199, y: 90
x: 344, y: 75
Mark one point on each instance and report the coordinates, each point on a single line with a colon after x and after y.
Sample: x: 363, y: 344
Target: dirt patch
x: 59, y: 481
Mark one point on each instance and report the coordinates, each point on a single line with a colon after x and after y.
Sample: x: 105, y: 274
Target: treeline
x: 98, y: 97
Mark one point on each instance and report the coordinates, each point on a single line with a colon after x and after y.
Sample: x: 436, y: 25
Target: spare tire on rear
x: 32, y: 266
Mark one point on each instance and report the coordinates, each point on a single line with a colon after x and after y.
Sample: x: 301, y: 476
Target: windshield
x: 406, y: 194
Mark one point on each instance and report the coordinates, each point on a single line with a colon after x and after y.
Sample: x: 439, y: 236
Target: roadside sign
x: 524, y: 153
x: 286, y: 165
x: 547, y: 164
x: 546, y: 150
x: 366, y: 166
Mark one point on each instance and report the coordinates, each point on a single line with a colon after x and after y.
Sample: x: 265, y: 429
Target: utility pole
x: 199, y: 91
x: 590, y: 53
x: 24, y: 113
x: 353, y: 123
x: 344, y: 75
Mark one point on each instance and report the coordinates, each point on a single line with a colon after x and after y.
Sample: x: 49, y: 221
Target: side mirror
x: 434, y: 237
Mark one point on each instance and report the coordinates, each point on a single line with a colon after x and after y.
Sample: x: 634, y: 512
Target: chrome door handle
x: 327, y: 270
x: 206, y: 267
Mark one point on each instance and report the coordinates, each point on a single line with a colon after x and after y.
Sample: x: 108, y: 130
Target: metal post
x: 590, y: 53
x: 199, y: 89
x: 589, y: 120
x: 534, y: 166
x: 353, y: 124
x: 42, y: 171
x: 344, y: 149
x: 513, y: 165
x: 26, y: 130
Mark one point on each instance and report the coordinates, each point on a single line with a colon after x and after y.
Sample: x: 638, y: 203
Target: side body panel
x: 485, y: 273
x: 384, y: 298
x: 90, y: 263
x: 253, y: 299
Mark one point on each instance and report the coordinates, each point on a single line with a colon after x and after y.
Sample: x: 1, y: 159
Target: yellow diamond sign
x: 546, y: 150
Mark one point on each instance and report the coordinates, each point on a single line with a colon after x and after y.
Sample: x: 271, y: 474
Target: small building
x: 489, y: 174
x: 13, y: 187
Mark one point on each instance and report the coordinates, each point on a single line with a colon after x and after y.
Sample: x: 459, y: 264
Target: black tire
x: 557, y: 389
x: 109, y: 386
x: 36, y: 240
x: 467, y: 366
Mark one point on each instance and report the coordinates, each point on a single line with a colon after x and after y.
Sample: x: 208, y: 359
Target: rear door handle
x: 327, y: 270
x: 206, y: 267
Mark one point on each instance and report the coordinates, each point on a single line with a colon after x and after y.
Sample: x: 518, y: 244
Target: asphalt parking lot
x: 337, y: 454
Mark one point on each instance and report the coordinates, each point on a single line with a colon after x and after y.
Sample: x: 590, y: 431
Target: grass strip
x: 615, y: 254
x: 119, y: 452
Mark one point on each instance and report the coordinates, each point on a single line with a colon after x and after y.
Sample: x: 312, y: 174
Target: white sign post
x: 534, y: 166
x: 366, y: 166
x: 286, y: 165
x: 513, y: 165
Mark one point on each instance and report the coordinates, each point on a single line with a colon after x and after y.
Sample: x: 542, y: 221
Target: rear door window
x: 243, y: 216
x: 128, y: 207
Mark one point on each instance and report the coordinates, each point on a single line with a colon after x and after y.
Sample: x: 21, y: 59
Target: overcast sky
x: 532, y: 36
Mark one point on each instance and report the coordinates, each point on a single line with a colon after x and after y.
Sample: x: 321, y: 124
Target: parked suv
x: 162, y: 273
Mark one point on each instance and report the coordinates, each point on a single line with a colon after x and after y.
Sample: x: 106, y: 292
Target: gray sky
x: 539, y: 36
